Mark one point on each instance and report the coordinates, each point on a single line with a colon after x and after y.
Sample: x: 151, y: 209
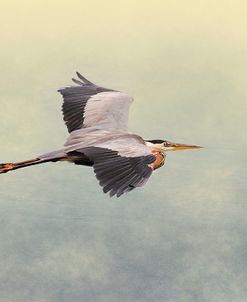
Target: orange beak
x: 175, y: 147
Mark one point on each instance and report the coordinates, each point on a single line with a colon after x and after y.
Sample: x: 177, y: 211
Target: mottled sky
x: 181, y: 238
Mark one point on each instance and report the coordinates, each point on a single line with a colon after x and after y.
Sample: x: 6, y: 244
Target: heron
x: 97, y: 122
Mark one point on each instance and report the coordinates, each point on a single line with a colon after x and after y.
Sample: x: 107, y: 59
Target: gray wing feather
x: 119, y: 174
x: 90, y: 105
x: 126, y: 144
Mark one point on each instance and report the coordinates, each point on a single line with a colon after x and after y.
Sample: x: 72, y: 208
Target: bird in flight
x: 97, y: 122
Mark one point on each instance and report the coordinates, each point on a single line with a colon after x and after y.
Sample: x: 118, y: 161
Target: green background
x: 181, y: 238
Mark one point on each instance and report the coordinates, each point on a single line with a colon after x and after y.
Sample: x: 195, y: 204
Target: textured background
x: 183, y: 236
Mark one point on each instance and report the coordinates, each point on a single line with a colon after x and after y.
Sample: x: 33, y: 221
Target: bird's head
x: 163, y: 145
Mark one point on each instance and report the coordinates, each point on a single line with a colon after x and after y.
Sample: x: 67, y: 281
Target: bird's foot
x: 4, y: 168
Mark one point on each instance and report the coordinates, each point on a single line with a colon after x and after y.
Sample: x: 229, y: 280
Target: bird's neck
x: 155, y: 147
x: 159, y: 152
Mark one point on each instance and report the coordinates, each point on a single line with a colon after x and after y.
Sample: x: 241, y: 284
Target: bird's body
x: 97, y: 120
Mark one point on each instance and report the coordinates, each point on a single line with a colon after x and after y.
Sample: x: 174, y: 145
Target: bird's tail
x: 6, y: 167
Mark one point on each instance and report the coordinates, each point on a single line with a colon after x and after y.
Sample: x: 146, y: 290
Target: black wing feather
x: 75, y: 99
x: 119, y: 174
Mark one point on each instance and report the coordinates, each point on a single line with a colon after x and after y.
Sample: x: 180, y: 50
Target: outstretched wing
x: 88, y: 105
x: 119, y: 174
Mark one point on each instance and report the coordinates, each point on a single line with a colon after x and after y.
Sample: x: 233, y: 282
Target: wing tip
x: 84, y: 80
x: 77, y: 82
